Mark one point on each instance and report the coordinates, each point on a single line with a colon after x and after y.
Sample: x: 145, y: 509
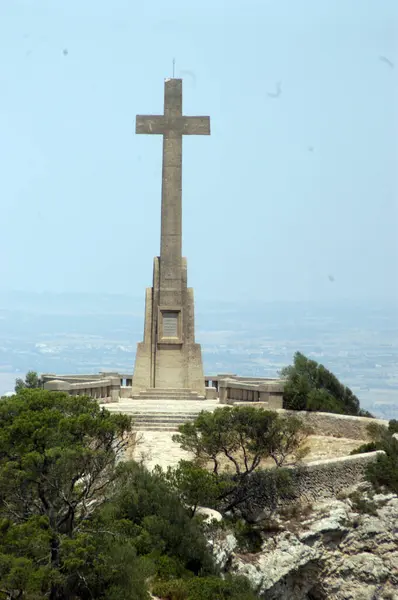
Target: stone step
x: 167, y: 396
x: 158, y: 415
x: 142, y: 411
x: 157, y: 427
x: 153, y: 419
x: 161, y: 390
x: 172, y: 393
x: 150, y: 416
x: 163, y: 407
x: 190, y: 407
x: 173, y: 415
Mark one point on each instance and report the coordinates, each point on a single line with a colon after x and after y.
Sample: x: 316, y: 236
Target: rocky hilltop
x: 344, y: 549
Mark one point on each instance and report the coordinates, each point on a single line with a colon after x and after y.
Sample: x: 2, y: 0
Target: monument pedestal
x: 169, y: 359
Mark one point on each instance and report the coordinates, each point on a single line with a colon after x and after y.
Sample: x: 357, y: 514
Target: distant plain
x: 81, y: 333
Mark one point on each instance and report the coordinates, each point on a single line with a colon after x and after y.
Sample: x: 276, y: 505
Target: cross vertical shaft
x: 172, y: 125
x: 171, y: 218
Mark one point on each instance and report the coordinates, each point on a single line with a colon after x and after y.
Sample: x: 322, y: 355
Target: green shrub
x: 296, y: 511
x: 363, y: 505
x: 393, y: 426
x: 368, y: 447
x: 310, y: 386
x: 383, y: 473
x: 248, y: 536
x: 144, y: 507
x: 205, y: 588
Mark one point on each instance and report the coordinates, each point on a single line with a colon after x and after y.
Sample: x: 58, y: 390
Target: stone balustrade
x: 268, y: 392
x: 99, y: 387
x: 229, y: 388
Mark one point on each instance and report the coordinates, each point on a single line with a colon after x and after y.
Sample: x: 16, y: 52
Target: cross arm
x: 158, y: 124
x: 150, y: 124
x: 195, y: 125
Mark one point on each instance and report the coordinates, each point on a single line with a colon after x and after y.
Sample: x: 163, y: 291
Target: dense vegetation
x: 31, y: 381
x: 383, y: 473
x: 310, y: 386
x: 75, y: 524
x: 78, y: 523
x: 229, y: 447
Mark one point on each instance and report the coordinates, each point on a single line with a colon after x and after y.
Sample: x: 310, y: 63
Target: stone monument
x: 169, y: 362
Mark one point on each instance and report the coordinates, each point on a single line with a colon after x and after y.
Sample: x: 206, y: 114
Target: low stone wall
x: 211, y: 393
x: 234, y: 390
x: 105, y: 389
x: 311, y: 482
x: 329, y: 424
x: 126, y: 391
x: 326, y: 478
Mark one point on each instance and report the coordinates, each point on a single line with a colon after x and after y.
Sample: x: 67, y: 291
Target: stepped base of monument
x: 167, y: 394
x: 159, y: 415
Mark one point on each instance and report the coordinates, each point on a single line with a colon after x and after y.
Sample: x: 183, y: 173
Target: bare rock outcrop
x: 337, y: 550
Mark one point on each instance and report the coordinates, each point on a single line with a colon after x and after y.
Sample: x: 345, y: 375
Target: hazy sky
x: 285, y: 192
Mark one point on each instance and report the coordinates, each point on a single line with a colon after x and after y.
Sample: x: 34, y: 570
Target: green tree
x: 195, y: 486
x: 234, y: 441
x: 77, y: 523
x: 310, y: 386
x: 144, y: 507
x: 242, y: 437
x: 32, y: 381
x: 57, y: 458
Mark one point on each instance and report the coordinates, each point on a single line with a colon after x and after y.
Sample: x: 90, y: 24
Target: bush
x: 144, y: 507
x: 205, y: 588
x: 310, y: 386
x: 368, y: 447
x: 383, y: 473
x: 248, y: 536
x: 261, y: 494
x: 363, y: 505
x: 195, y: 486
x: 393, y: 426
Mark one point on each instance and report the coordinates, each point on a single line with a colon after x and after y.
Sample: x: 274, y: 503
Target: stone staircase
x: 180, y: 394
x: 160, y: 415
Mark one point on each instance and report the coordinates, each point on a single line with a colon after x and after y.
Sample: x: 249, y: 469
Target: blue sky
x: 285, y: 192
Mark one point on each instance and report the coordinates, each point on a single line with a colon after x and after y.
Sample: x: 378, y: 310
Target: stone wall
x: 237, y: 390
x: 104, y: 389
x: 327, y: 424
x: 326, y: 478
x: 311, y: 482
x: 341, y: 426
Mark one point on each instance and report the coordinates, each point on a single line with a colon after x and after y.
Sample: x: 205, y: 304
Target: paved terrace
x: 156, y: 423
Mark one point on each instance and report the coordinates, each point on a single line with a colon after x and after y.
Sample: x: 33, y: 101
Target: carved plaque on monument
x: 170, y: 324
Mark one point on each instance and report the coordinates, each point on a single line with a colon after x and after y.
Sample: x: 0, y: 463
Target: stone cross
x: 168, y: 363
x: 172, y: 125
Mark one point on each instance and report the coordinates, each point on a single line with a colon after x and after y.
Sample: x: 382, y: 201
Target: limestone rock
x: 282, y: 560
x: 334, y: 552
x: 209, y: 513
x: 223, y: 546
x: 335, y: 522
